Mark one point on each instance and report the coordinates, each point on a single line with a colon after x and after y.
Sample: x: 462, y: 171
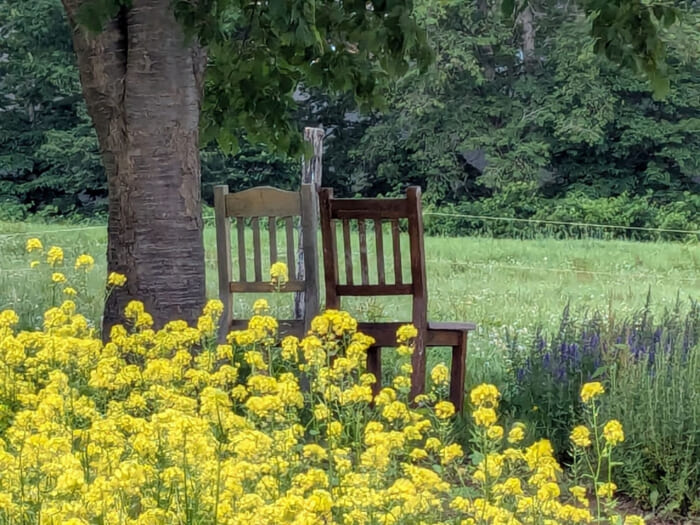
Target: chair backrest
x: 345, y: 212
x: 272, y: 206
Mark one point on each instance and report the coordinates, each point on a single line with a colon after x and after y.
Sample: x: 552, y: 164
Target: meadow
x: 497, y: 283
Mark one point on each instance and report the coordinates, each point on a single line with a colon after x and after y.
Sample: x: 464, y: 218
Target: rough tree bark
x: 527, y: 21
x: 143, y: 87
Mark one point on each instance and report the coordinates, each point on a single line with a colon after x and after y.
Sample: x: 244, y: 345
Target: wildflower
x: 34, y: 244
x: 439, y: 374
x: 516, y: 434
x: 606, y: 490
x: 405, y: 333
x: 613, y: 433
x: 34, y: 264
x: 279, y: 274
x: 260, y: 307
x: 58, y: 277
x: 404, y: 350
x: 214, y: 308
x: 444, y: 410
x: 451, y: 452
x: 591, y: 390
x: 495, y: 432
x: 8, y: 318
x: 54, y: 256
x: 485, y: 395
x: 116, y: 279
x: 579, y: 493
x: 417, y: 454
x: 70, y: 292
x: 484, y: 417
x: 633, y: 520
x: 84, y: 262
x: 581, y: 436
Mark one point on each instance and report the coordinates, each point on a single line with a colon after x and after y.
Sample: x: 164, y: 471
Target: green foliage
x: 49, y: 161
x: 651, y: 369
x: 658, y: 403
x: 622, y: 217
x: 260, y: 53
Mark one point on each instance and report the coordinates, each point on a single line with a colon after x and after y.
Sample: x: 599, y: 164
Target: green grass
x: 503, y: 285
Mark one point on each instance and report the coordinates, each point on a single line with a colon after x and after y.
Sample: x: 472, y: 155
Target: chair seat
x: 439, y: 334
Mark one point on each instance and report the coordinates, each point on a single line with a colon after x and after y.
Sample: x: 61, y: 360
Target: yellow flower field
x: 167, y: 426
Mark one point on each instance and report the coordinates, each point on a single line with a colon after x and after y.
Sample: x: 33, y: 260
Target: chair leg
x: 459, y: 369
x: 374, y: 366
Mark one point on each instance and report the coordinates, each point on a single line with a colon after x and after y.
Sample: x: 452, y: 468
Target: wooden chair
x: 272, y: 205
x: 379, y: 211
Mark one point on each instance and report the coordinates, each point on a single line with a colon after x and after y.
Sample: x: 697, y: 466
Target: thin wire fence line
x: 430, y: 213
x: 560, y: 223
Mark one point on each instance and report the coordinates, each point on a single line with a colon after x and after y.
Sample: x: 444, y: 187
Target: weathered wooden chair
x: 272, y: 205
x: 379, y: 211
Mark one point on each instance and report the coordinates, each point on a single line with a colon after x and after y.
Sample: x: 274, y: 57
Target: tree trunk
x: 143, y: 86
x: 527, y: 21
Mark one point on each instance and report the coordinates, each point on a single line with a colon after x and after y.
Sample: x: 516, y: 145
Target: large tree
x: 142, y: 68
x: 156, y: 72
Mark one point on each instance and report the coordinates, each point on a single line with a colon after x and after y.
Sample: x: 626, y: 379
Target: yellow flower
x: 580, y: 436
x: 34, y: 244
x: 606, y: 490
x: 634, y: 520
x: 34, y: 264
x: 613, y: 433
x: 405, y: 333
x: 260, y: 307
x: 579, y: 493
x: 84, y: 262
x: 71, y: 292
x: 58, y: 277
x: 485, y: 395
x: 116, y: 279
x: 591, y: 390
x: 495, y: 432
x: 439, y: 374
x: 450, y: 453
x: 516, y: 434
x: 54, y: 256
x: 444, y: 410
x: 279, y: 274
x: 484, y: 417
x: 8, y: 318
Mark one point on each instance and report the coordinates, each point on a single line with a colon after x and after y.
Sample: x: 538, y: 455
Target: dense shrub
x: 629, y: 217
x: 652, y: 367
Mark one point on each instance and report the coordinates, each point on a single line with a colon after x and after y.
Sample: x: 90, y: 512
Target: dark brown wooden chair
x: 430, y: 334
x: 275, y: 206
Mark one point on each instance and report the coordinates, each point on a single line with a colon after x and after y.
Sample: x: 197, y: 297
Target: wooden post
x: 311, y: 173
x: 223, y: 257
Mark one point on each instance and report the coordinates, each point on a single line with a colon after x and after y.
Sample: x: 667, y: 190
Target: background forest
x: 515, y: 119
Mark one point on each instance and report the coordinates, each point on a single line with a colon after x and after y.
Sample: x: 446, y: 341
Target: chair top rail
x: 263, y: 201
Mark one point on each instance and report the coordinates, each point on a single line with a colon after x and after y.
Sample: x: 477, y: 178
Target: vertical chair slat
x: 379, y: 243
x: 257, y: 252
x: 240, y: 230
x: 396, y: 239
x: 347, y: 251
x: 272, y: 227
x: 291, y: 265
x: 364, y: 265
